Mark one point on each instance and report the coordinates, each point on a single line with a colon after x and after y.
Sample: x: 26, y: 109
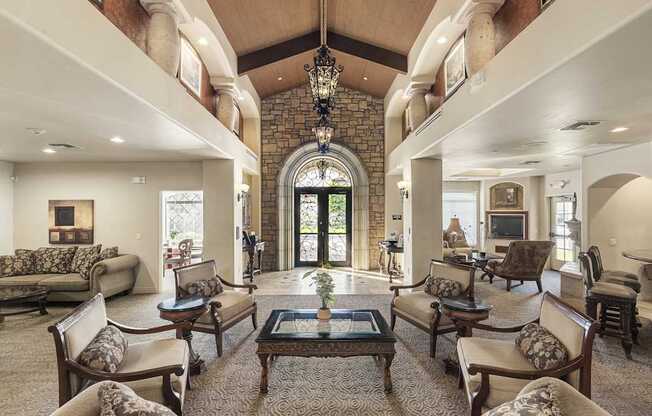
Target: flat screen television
x: 507, y: 226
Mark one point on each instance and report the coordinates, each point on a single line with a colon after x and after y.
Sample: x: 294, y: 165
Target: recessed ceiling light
x: 279, y: 79
x: 48, y: 150
x: 117, y: 139
x: 442, y: 39
x: 365, y: 78
x: 202, y: 41
x: 619, y: 129
x: 36, y: 131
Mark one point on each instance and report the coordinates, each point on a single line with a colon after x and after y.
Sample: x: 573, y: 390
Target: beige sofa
x: 109, y: 277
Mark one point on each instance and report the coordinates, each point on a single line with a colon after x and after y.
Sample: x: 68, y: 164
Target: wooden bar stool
x: 617, y: 306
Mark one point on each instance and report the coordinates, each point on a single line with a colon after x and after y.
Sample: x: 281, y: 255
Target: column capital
x: 417, y: 88
x: 161, y: 6
x: 225, y: 85
x: 475, y: 7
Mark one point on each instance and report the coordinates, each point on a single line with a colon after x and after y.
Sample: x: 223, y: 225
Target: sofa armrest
x: 111, y: 266
x: 85, y: 403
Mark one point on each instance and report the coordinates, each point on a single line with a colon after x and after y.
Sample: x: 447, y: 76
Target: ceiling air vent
x: 531, y: 162
x: 580, y: 125
x: 64, y: 146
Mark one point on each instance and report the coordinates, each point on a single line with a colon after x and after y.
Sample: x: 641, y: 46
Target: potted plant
x: 324, y: 286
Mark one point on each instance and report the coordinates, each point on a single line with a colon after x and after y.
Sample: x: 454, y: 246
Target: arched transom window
x: 322, y: 173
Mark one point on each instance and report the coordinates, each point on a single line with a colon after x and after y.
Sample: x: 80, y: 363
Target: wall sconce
x: 403, y: 188
x: 243, y: 190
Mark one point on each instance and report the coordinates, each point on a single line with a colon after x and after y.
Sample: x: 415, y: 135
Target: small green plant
x: 324, y: 286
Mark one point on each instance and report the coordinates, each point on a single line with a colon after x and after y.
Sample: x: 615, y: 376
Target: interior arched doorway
x: 359, y: 186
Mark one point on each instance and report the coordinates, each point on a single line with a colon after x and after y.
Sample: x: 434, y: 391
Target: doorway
x: 561, y: 210
x: 322, y: 215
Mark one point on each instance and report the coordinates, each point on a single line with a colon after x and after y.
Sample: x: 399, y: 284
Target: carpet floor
x: 310, y: 386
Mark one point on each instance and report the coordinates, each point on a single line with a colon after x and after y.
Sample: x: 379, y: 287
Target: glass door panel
x: 339, y: 228
x: 308, y: 230
x: 561, y: 210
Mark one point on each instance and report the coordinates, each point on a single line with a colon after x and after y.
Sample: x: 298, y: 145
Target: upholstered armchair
x: 155, y: 370
x: 494, y: 371
x: 524, y: 261
x: 570, y: 401
x: 412, y: 304
x: 226, y: 309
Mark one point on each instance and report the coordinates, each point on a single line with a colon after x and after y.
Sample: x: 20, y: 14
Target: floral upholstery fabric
x: 84, y: 259
x: 205, y: 288
x: 53, y: 260
x: 438, y: 286
x: 24, y: 262
x: 541, y: 347
x: 119, y: 400
x: 106, y: 351
x: 109, y: 253
x: 524, y: 259
x: 539, y: 402
x: 6, y: 266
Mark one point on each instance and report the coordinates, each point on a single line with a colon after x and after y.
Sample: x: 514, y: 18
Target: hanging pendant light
x: 323, y: 132
x: 325, y: 74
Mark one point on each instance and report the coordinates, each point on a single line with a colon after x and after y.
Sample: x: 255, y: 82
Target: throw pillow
x: 541, y: 348
x: 109, y: 253
x: 119, y: 400
x: 53, y: 260
x: 106, y: 351
x: 85, y: 258
x: 205, y: 288
x: 24, y: 263
x: 440, y: 287
x: 538, y: 402
x: 7, y: 265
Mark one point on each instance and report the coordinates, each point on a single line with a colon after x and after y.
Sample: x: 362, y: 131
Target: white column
x: 422, y: 217
x: 223, y: 217
x: 163, y: 42
x: 225, y: 101
x: 480, y: 39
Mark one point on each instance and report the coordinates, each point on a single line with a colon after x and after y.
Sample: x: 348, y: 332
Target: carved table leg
x: 387, y: 373
x: 196, y: 363
x: 41, y: 306
x: 264, y: 361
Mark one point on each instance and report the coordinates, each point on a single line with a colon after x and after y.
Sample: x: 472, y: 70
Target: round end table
x: 463, y: 312
x: 186, y: 310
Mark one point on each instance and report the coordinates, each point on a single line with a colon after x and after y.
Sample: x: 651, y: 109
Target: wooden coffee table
x: 349, y: 333
x: 24, y: 295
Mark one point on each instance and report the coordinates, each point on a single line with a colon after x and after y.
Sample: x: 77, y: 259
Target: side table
x: 463, y: 312
x: 186, y: 310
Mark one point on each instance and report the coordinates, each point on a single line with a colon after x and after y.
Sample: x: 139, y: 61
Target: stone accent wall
x: 287, y: 122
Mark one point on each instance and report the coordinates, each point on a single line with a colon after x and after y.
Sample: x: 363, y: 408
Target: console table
x: 254, y: 259
x: 389, y: 251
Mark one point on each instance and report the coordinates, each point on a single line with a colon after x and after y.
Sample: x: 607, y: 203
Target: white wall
x: 6, y: 208
x: 467, y: 186
x: 122, y: 209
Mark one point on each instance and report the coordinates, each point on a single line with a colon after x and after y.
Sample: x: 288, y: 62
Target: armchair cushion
x: 53, y: 260
x: 106, y: 351
x: 84, y: 259
x: 418, y: 306
x: 538, y: 402
x: 147, y: 355
x: 571, y: 401
x: 494, y: 353
x: 206, y: 288
x: 612, y: 289
x: 541, y: 347
x: 119, y: 400
x: 232, y: 304
x: 438, y: 286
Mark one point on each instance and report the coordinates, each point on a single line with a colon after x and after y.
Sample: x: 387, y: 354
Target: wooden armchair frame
x: 219, y: 326
x: 433, y: 329
x: 67, y: 365
x: 582, y: 362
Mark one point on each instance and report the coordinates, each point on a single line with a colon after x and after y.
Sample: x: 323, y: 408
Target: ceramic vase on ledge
x: 324, y: 314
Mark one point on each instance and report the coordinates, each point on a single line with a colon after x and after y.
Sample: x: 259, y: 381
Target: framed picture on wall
x: 70, y: 221
x: 455, y: 67
x: 190, y: 67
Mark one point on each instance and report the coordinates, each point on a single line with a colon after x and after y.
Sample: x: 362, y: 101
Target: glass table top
x: 347, y: 322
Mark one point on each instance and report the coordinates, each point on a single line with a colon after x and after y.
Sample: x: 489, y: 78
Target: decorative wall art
x: 506, y: 195
x: 455, y: 67
x: 190, y: 68
x: 70, y: 221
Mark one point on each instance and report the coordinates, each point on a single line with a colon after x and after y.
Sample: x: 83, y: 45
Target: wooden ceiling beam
x: 296, y: 46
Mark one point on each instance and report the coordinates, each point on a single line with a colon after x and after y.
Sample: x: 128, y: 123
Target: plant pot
x: 324, y: 314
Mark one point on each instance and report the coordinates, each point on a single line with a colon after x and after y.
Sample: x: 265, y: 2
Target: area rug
x: 313, y: 386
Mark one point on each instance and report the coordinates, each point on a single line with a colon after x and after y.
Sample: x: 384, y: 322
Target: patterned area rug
x: 314, y: 386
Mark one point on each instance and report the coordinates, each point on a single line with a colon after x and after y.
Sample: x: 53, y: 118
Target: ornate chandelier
x: 323, y: 77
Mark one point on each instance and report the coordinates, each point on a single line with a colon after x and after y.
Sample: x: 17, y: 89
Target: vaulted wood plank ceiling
x: 253, y: 25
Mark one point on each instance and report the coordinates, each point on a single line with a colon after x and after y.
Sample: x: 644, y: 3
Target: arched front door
x: 322, y: 215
